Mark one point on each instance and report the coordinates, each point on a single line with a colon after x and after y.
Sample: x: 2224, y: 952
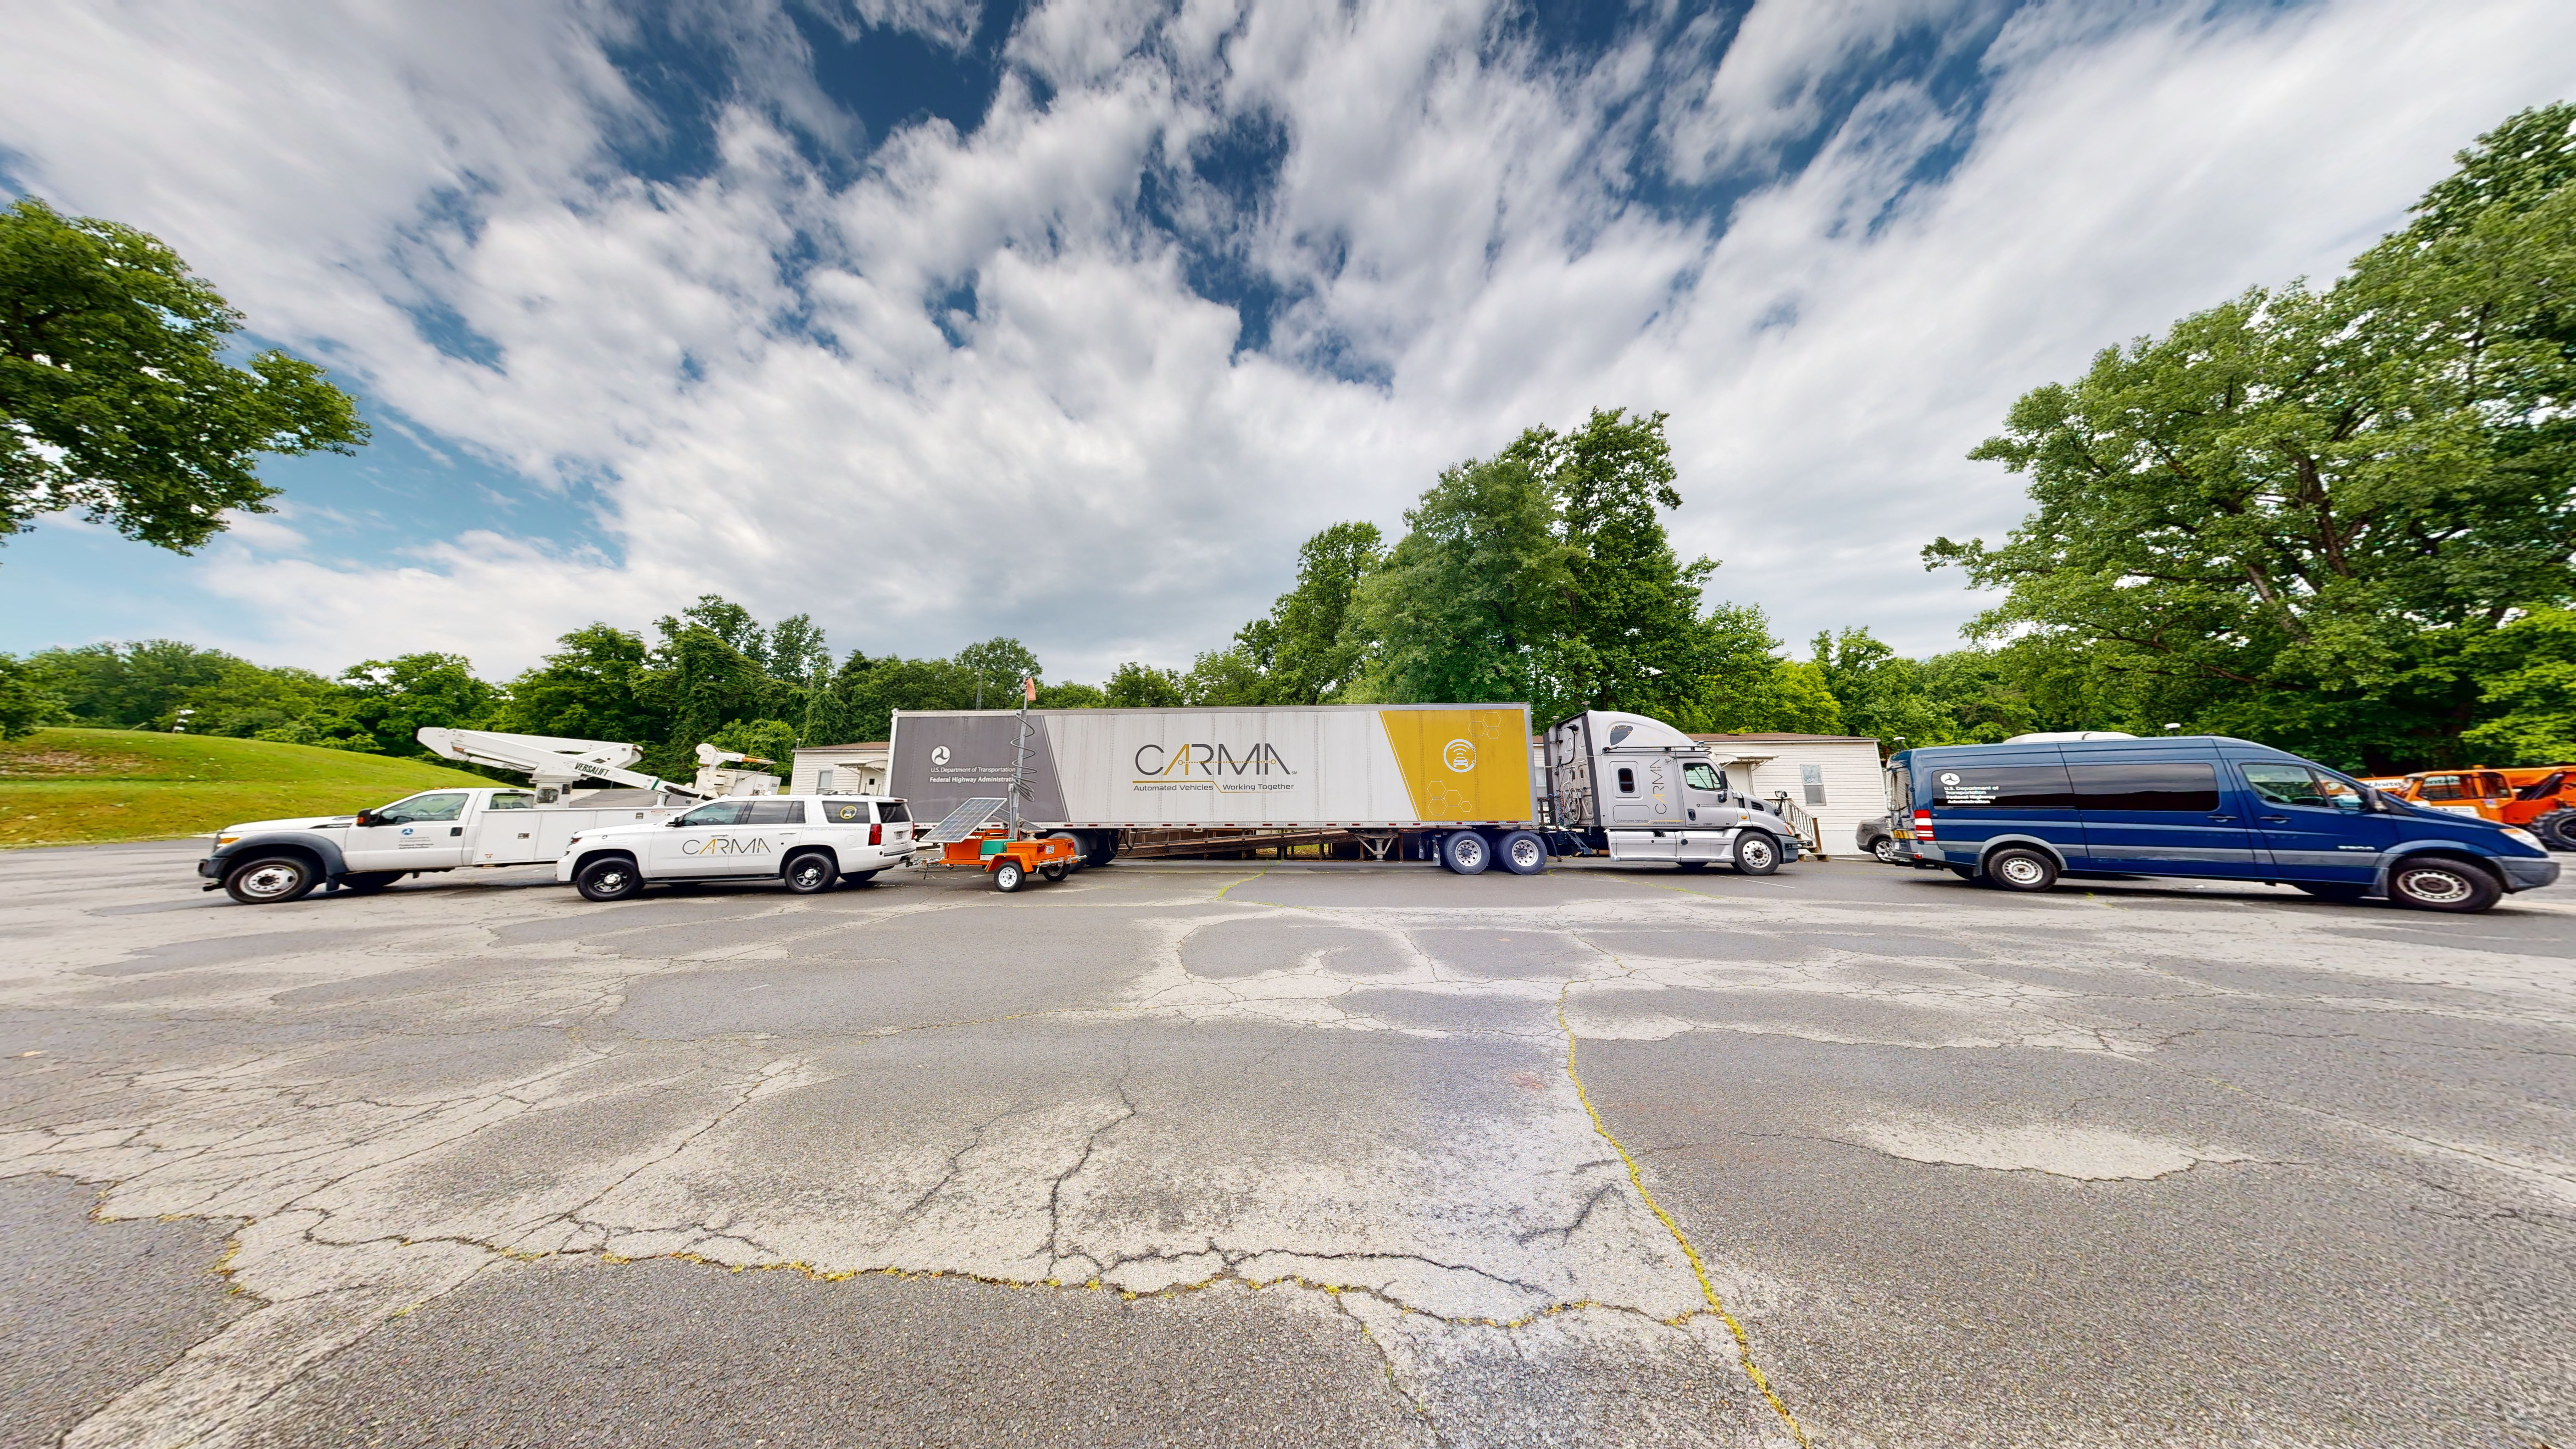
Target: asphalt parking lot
x: 1282, y: 1154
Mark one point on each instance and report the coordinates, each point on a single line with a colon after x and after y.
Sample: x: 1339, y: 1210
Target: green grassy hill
x: 86, y: 787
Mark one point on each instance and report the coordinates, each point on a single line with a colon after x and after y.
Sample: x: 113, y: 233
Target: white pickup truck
x: 269, y: 861
x: 807, y: 842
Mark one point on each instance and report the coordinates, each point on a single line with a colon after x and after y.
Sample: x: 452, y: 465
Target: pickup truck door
x: 421, y: 832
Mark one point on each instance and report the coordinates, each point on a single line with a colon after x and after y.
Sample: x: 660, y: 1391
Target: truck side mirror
x: 365, y: 817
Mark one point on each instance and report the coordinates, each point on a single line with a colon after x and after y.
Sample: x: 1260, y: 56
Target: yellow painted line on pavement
x: 1699, y: 1270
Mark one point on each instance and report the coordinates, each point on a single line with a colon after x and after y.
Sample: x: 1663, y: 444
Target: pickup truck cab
x: 807, y: 842
x: 2020, y: 814
x: 266, y: 862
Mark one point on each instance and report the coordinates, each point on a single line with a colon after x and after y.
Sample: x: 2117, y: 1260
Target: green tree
x: 1745, y: 687
x: 2297, y: 515
x: 1142, y: 686
x: 773, y: 740
x: 390, y: 699
x: 25, y: 705
x: 700, y: 682
x: 1310, y: 648
x: 1881, y: 693
x: 1471, y: 603
x: 592, y: 688
x: 1632, y: 635
x: 1071, y: 696
x: 114, y: 395
x: 1223, y: 677
x: 996, y: 667
x: 2528, y: 670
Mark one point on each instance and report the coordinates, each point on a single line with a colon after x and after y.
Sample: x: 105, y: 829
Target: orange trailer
x: 1011, y: 861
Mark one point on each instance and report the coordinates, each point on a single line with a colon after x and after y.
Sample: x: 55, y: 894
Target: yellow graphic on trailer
x: 1462, y: 764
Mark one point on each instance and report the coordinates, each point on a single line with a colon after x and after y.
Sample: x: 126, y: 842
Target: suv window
x: 776, y: 812
x: 717, y: 812
x: 2299, y: 785
x: 2183, y: 786
x: 892, y: 812
x: 844, y: 812
x: 445, y: 805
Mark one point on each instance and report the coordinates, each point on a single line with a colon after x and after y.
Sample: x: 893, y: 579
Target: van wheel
x: 1466, y: 853
x: 2015, y: 869
x: 1756, y: 854
x: 810, y: 874
x: 1007, y: 876
x: 613, y: 878
x: 2442, y: 883
x: 271, y: 880
x: 367, y: 882
x: 1884, y: 848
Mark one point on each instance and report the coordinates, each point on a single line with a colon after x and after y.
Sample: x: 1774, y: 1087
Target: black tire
x: 1008, y: 876
x: 2442, y: 883
x: 2015, y: 868
x: 1467, y: 853
x: 1073, y: 840
x: 1522, y: 853
x: 1055, y: 873
x: 1756, y: 853
x: 857, y: 877
x: 2330, y: 890
x: 1105, y: 852
x: 271, y: 880
x: 1885, y: 849
x: 810, y: 874
x: 609, y: 878
x: 2557, y: 829
x: 368, y: 882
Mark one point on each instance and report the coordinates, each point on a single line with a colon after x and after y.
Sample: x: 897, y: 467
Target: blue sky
x: 1068, y: 319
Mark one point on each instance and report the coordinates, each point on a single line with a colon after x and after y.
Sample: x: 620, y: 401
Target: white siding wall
x: 1855, y: 785
x: 861, y: 772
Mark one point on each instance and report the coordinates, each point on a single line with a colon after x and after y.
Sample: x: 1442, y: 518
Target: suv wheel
x: 810, y: 873
x: 2442, y: 883
x: 2016, y: 869
x: 271, y: 880
x: 612, y: 878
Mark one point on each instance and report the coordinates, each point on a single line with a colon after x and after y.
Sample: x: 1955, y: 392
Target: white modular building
x: 855, y: 769
x: 1838, y: 780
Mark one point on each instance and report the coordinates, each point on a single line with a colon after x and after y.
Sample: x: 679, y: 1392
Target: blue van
x: 2020, y: 814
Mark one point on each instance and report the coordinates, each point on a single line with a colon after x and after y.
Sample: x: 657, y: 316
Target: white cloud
x: 1088, y: 460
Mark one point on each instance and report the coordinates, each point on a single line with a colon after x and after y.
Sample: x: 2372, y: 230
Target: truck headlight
x: 2516, y: 832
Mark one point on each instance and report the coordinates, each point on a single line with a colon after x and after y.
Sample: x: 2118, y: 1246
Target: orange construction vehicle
x: 2540, y: 799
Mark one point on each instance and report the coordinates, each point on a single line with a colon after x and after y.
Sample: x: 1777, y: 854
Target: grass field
x: 90, y: 787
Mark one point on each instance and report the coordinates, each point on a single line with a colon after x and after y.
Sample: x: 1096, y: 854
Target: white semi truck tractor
x: 268, y: 861
x: 1637, y: 789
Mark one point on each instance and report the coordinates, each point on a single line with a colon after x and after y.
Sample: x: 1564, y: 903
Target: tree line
x: 2337, y: 520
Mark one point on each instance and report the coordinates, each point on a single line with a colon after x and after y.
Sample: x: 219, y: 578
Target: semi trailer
x: 1445, y: 782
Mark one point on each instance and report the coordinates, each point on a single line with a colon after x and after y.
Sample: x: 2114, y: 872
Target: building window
x: 1812, y: 777
x: 1627, y: 781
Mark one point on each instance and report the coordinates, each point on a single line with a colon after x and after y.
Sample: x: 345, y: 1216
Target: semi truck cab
x: 1635, y: 788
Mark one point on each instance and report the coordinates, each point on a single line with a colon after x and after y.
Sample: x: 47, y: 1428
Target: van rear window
x: 2003, y: 787
x: 2180, y: 786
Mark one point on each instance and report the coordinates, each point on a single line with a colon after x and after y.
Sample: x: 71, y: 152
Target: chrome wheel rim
x: 1470, y: 853
x: 609, y: 881
x: 271, y: 880
x: 1525, y: 854
x: 2021, y: 870
x: 2438, y: 886
x: 1754, y: 854
x: 807, y: 875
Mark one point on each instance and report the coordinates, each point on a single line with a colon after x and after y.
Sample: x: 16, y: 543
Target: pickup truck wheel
x: 810, y: 874
x: 2442, y: 883
x: 2016, y: 869
x: 612, y: 879
x: 1756, y: 854
x: 369, y: 881
x: 271, y: 880
x: 1007, y: 876
x: 1884, y: 848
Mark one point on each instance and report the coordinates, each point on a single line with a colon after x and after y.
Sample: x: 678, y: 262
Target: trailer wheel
x: 1007, y: 876
x: 1055, y: 872
x: 1523, y: 853
x: 271, y: 880
x: 810, y: 874
x: 609, y: 878
x: 1466, y: 853
x: 1756, y: 853
x: 1079, y: 860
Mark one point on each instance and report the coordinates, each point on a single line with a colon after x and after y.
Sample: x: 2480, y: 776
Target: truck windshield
x: 445, y: 805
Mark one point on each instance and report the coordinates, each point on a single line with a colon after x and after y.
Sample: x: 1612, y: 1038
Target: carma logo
x: 1461, y: 755
x: 725, y: 845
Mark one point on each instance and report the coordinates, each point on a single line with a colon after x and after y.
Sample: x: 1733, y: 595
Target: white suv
x: 806, y: 841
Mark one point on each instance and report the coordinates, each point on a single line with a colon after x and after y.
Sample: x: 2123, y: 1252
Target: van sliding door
x: 2162, y: 817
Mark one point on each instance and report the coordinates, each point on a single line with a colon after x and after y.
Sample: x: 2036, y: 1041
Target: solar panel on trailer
x: 963, y: 820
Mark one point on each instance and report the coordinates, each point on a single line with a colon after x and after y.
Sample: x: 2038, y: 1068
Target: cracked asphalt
x: 1182, y: 1153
